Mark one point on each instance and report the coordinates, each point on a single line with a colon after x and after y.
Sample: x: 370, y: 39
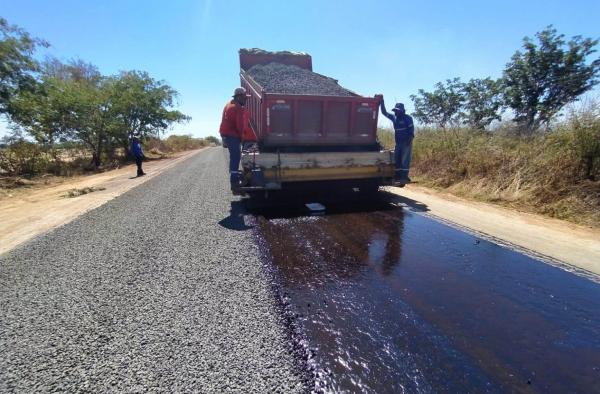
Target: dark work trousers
x: 234, y: 145
x: 402, y: 155
x: 138, y: 162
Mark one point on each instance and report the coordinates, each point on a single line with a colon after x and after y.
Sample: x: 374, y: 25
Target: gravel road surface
x: 160, y: 289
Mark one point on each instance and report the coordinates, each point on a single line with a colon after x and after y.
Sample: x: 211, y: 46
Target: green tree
x: 72, y: 102
x: 17, y: 66
x: 442, y: 106
x: 141, y: 104
x: 42, y: 112
x: 92, y: 119
x: 75, y: 102
x: 547, y: 75
x: 83, y: 102
x: 75, y: 69
x: 482, y: 102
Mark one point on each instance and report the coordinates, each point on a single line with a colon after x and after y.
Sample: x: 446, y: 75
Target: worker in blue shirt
x: 404, y: 132
x: 138, y: 153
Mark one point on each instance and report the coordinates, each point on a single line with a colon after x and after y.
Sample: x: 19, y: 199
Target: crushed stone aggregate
x: 289, y: 79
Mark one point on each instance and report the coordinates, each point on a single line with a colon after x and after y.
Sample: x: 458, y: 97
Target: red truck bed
x: 306, y: 121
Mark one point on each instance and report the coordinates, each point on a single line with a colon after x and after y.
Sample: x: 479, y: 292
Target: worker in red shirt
x: 232, y: 128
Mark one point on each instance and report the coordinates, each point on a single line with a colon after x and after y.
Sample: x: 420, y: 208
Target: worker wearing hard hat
x: 404, y: 132
x: 232, y: 128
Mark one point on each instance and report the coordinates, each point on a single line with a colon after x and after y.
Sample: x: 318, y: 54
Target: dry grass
x: 556, y: 174
x: 80, y: 192
x: 28, y: 159
x: 15, y: 182
x: 174, y: 143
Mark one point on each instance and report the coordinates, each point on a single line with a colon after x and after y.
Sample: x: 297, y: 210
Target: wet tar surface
x: 387, y: 300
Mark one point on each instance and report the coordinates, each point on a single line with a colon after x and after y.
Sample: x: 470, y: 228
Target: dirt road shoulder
x: 562, y: 242
x: 33, y: 212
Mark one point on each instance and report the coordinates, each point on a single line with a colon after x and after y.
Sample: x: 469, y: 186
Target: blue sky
x: 389, y: 47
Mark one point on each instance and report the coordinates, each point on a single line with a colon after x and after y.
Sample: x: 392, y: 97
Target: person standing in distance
x: 232, y: 130
x: 138, y: 153
x: 404, y: 132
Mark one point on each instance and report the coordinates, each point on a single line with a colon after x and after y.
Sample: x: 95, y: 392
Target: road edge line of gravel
x: 175, y: 161
x: 295, y: 338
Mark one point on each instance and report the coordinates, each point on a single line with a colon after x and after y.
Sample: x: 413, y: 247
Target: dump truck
x: 312, y: 134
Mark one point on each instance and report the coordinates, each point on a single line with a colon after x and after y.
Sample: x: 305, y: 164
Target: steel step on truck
x: 311, y: 132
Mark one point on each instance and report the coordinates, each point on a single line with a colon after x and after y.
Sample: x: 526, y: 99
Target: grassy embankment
x: 554, y: 173
x: 25, y: 163
x: 174, y: 144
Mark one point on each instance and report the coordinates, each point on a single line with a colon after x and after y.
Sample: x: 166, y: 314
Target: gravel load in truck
x: 258, y: 51
x: 290, y: 79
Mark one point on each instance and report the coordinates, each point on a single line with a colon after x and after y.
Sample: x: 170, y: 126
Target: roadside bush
x: 211, y: 139
x: 174, y: 143
x: 585, y: 141
x: 23, y: 158
x: 385, y: 138
x: 20, y: 157
x: 178, y: 143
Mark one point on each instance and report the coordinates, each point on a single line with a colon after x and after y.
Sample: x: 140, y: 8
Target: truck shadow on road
x: 396, y: 199
x: 289, y: 209
x: 296, y: 207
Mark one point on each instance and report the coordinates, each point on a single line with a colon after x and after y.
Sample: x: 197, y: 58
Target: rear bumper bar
x: 274, y: 169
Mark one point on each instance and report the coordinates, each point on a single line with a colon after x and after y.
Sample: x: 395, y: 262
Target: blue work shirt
x: 403, y: 124
x: 136, y: 148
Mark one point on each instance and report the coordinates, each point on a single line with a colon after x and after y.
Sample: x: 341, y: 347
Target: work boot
x: 401, y: 177
x: 235, y: 189
x: 401, y: 182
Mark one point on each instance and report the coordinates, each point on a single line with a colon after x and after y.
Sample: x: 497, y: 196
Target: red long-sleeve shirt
x: 232, y: 123
x: 248, y: 135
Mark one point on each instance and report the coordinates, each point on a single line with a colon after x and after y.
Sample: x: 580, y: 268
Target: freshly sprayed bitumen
x: 160, y: 289
x: 384, y: 300
x: 288, y: 79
